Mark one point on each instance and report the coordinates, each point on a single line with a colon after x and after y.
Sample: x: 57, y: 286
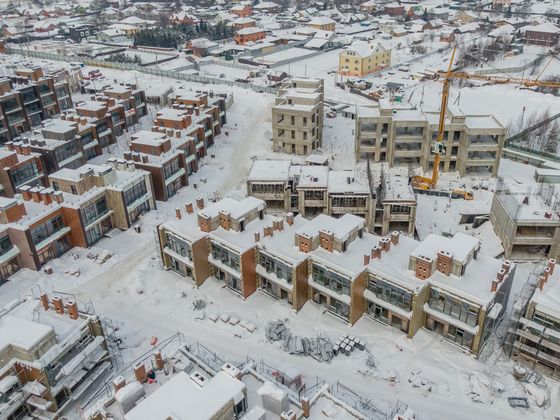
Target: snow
x: 181, y: 397
x: 22, y: 333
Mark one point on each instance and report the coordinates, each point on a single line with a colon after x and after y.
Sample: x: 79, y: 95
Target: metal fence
x: 358, y: 402
x: 141, y: 69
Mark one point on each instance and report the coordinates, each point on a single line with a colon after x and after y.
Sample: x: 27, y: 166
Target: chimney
x: 494, y: 285
x: 155, y: 128
x: 304, y: 243
x: 140, y: 372
x: 12, y: 211
x: 72, y: 308
x: 546, y: 273
x: 10, y: 146
x: 145, y: 158
x: 444, y: 262
x: 257, y: 236
x: 501, y: 274
x: 375, y: 252
x: 83, y: 121
x: 326, y: 240
x: 280, y: 224
x: 118, y: 383
x: 395, y: 236
x: 189, y: 208
x: 58, y: 305
x: 268, y: 230
x: 290, y: 218
x: 58, y: 197
x: 26, y: 149
x: 385, y: 244
x: 36, y: 194
x: 200, y: 202
x: 25, y: 192
x: 506, y: 265
x: 17, y: 147
x: 170, y: 132
x: 550, y: 265
x: 366, y: 259
x: 45, y: 301
x: 158, y: 360
x: 423, y: 268
x: 46, y: 196
x: 225, y: 220
x: 178, y: 213
x: 542, y: 282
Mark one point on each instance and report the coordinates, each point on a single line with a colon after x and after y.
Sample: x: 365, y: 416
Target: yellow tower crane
x: 425, y: 183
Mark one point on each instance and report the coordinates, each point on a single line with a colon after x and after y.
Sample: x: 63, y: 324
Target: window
x: 225, y: 256
x: 94, y: 211
x: 390, y: 293
x: 314, y: 194
x: 66, y: 151
x: 135, y: 192
x: 293, y: 134
x: 292, y: 120
x: 178, y: 245
x: 349, y: 201
x: 304, y: 121
x: 453, y: 307
x: 398, y: 209
x: 25, y: 173
x: 331, y: 280
x: 5, y: 244
x: 274, y: 266
x: 43, y: 231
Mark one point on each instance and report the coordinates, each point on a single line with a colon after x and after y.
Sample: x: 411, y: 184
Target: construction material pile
x: 320, y: 347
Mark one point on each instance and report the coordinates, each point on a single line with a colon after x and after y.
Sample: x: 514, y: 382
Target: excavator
x: 429, y: 183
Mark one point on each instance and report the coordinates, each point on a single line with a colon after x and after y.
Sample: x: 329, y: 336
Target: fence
x: 146, y: 70
x: 517, y: 69
x: 357, y: 402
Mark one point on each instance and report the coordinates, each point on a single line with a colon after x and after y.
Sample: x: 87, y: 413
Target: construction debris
x: 320, y: 347
x: 199, y: 304
x: 346, y: 344
x: 518, y: 402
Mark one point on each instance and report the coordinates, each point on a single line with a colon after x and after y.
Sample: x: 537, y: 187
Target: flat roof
x: 181, y: 398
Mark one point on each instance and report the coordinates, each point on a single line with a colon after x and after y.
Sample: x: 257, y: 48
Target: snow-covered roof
x: 321, y: 20
x: 270, y: 170
x: 365, y: 49
x: 546, y: 27
x: 184, y: 398
x: 460, y: 246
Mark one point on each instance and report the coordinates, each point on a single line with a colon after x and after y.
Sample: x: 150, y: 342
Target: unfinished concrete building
x: 52, y: 352
x: 297, y: 116
x: 526, y: 220
x: 535, y: 328
x: 402, y: 136
x: 387, y: 204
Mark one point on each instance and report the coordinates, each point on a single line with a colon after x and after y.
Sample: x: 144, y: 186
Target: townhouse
x: 297, y: 116
x: 20, y: 167
x: 536, y: 331
x: 440, y: 284
x: 387, y: 204
x: 163, y: 157
x: 83, y: 205
x: 104, y: 197
x: 52, y: 352
x: 28, y: 99
x: 217, y: 240
x: 179, y: 137
x: 362, y: 58
x: 401, y: 136
x: 108, y: 119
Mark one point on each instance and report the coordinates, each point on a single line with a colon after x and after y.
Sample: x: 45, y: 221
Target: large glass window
x: 171, y: 168
x: 42, y: 232
x: 349, y: 201
x: 453, y: 307
x: 178, y: 245
x: 135, y: 192
x: 314, y: 195
x: 272, y: 265
x: 331, y: 280
x: 66, y: 151
x: 390, y: 293
x: 5, y: 244
x: 94, y: 211
x: 226, y: 256
x: 25, y: 173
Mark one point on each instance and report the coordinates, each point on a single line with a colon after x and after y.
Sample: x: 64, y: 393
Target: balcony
x: 175, y: 176
x: 54, y: 237
x: 283, y: 283
x: 176, y: 256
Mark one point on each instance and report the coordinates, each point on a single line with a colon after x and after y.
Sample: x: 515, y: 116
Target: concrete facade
x: 404, y: 137
x: 297, y: 116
